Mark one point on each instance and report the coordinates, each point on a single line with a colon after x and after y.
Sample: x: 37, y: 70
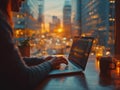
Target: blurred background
x: 49, y: 26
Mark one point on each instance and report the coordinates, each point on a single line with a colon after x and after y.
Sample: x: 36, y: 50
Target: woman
x: 17, y: 73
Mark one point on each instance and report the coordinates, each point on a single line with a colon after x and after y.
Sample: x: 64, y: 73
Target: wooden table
x: 90, y: 79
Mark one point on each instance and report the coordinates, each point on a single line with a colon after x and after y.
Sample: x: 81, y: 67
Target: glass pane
x: 51, y: 25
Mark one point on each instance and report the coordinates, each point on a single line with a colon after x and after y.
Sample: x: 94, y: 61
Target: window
x: 52, y: 25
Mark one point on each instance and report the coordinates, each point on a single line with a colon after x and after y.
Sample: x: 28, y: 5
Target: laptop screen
x: 79, y: 52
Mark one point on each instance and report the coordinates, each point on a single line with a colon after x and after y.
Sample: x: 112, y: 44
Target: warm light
x: 64, y: 41
x: 99, y: 50
x: 107, y: 53
x: 60, y: 30
x: 67, y: 43
x: 44, y: 31
x: 21, y: 33
x: 17, y: 32
x: 112, y: 1
x: 97, y: 63
x: 92, y: 54
x: 18, y: 16
x: 43, y: 36
x: 118, y: 68
x: 111, y: 19
x: 94, y: 16
x: 58, y: 40
x: 99, y: 54
x: 64, y: 38
x: 83, y: 35
x: 71, y: 40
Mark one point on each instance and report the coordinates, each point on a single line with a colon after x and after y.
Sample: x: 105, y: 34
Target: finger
x: 61, y: 60
x: 64, y: 61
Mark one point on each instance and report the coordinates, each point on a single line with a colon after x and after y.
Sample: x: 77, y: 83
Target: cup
x: 106, y: 65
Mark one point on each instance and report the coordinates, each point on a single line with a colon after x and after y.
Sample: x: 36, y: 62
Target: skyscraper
x: 98, y: 20
x: 67, y: 18
x: 41, y: 14
x: 76, y: 17
x: 55, y: 24
x: 41, y: 11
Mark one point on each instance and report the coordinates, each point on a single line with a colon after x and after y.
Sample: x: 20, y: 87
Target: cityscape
x: 49, y: 26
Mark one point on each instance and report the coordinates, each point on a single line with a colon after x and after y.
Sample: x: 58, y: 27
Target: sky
x: 51, y: 7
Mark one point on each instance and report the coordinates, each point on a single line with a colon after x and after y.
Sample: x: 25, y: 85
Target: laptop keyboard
x: 63, y: 66
x: 67, y: 67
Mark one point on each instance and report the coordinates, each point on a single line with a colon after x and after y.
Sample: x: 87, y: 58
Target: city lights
x: 60, y: 30
x: 54, y: 25
x: 112, y: 1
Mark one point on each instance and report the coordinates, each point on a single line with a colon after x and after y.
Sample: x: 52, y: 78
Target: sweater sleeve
x: 14, y: 69
x: 31, y: 61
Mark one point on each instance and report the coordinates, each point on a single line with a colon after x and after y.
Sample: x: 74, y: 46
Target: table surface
x: 90, y: 79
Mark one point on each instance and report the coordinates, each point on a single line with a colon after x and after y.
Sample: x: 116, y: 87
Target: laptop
x: 77, y: 58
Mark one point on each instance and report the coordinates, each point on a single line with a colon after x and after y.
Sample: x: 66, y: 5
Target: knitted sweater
x: 15, y: 74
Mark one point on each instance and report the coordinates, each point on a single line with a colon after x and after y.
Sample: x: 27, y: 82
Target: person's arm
x: 30, y: 61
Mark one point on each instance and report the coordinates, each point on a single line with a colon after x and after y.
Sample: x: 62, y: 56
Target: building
x: 97, y: 19
x: 25, y: 24
x: 19, y: 20
x: 41, y: 14
x: 41, y: 10
x: 67, y: 18
x: 111, y: 41
x: 55, y: 24
x: 19, y: 24
x: 76, y: 17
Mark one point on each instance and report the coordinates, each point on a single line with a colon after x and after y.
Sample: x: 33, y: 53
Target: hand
x: 56, y: 61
